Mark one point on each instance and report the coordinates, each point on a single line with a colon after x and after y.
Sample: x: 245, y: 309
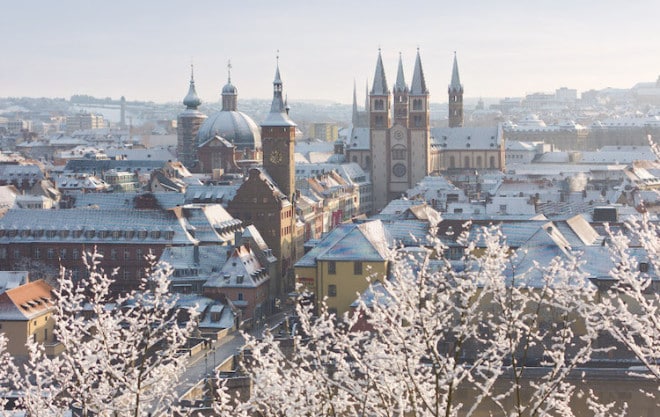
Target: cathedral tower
x: 400, y: 92
x: 419, y: 125
x: 188, y: 124
x: 455, y: 92
x: 278, y: 133
x: 379, y: 125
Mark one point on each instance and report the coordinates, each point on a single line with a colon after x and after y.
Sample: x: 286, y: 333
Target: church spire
x: 278, y: 115
x: 229, y: 93
x: 455, y: 92
x: 191, y: 100
x: 277, y: 105
x: 380, y: 82
x: 418, y: 86
x: 455, y: 78
x: 355, y: 118
x: 400, y: 85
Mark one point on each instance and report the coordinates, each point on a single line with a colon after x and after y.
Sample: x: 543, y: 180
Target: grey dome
x: 235, y: 126
x: 229, y: 89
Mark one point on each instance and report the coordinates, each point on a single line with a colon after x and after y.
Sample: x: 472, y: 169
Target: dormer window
x: 643, y: 267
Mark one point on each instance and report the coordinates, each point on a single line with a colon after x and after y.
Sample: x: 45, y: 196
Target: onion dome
x: 192, y: 100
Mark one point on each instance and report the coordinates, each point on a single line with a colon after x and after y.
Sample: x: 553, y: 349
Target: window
x: 50, y: 253
x: 126, y: 275
x: 113, y: 254
x: 332, y: 290
x: 379, y: 105
x: 399, y: 153
x: 17, y: 253
x: 37, y: 253
x: 357, y: 268
x: 75, y: 254
x: 452, y: 162
x: 3, y: 253
x: 139, y: 255
x: 380, y: 121
x: 127, y: 254
x: 332, y: 267
x: 240, y: 296
x: 62, y: 253
x: 417, y: 121
x: 417, y: 104
x: 466, y: 162
x: 643, y: 267
x: 492, y: 162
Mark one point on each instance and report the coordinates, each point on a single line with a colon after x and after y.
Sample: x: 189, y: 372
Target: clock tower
x: 277, y: 137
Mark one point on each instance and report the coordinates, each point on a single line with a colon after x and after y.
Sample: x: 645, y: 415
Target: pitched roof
x: 368, y: 241
x: 26, y: 301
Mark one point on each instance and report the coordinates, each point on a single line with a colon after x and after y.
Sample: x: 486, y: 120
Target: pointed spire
x: 355, y: 106
x: 400, y: 85
x: 380, y: 82
x: 278, y: 115
x: 366, y: 94
x: 418, y: 86
x: 455, y: 78
x: 191, y: 100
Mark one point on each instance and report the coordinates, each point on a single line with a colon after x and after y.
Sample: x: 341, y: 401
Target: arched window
x: 492, y: 162
x: 417, y: 104
x: 367, y: 161
x: 452, y: 162
x: 379, y: 105
x: 399, y: 152
x: 479, y: 162
x: 466, y: 162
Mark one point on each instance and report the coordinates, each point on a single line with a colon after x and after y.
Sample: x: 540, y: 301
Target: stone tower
x: 188, y: 123
x: 455, y: 92
x: 278, y: 133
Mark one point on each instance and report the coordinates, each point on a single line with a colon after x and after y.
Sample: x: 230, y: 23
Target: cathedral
x: 226, y: 140
x: 393, y: 139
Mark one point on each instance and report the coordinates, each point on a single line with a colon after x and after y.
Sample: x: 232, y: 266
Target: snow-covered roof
x: 12, y: 279
x: 368, y: 241
x: 93, y: 225
x: 359, y: 139
x: 461, y: 138
x: 241, y: 270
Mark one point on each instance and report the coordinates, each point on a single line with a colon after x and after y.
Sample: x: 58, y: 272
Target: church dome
x: 229, y: 89
x: 235, y: 126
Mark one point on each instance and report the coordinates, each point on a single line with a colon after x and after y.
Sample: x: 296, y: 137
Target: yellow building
x: 26, y: 312
x: 338, y: 267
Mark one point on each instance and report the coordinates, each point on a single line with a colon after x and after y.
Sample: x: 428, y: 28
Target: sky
x: 143, y: 49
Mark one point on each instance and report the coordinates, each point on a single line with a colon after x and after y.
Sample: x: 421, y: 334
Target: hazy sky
x: 143, y: 48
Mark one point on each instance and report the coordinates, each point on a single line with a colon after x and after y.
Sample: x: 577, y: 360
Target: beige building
x: 26, y: 313
x: 336, y: 270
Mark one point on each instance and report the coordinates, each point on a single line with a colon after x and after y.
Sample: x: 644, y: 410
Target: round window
x: 399, y: 170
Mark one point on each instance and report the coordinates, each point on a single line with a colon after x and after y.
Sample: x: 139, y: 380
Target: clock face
x: 275, y: 157
x: 398, y: 134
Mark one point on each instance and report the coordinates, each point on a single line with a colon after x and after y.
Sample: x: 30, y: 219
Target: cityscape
x: 405, y: 244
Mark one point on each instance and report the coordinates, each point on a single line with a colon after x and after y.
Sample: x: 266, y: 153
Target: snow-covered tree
x: 630, y: 307
x: 440, y: 339
x: 121, y: 355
